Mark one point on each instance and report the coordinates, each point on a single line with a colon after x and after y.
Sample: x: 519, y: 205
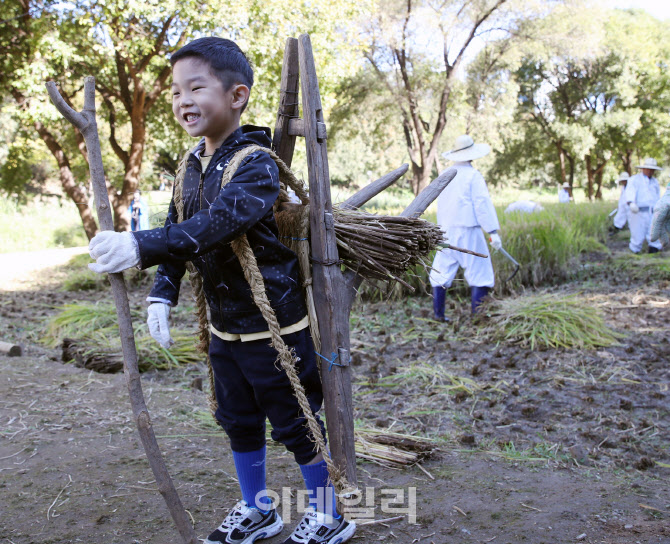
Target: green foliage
x: 80, y: 278
x: 69, y: 237
x: 598, y: 101
x: 549, y: 321
x: 15, y: 172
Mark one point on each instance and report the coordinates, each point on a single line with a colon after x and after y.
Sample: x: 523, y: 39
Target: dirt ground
x: 539, y: 447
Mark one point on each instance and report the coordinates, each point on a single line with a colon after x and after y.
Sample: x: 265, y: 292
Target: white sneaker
x: 244, y: 525
x: 319, y: 528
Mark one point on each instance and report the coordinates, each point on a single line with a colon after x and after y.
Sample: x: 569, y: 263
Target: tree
x: 29, y: 30
x: 402, y: 53
x: 592, y: 99
x: 126, y: 45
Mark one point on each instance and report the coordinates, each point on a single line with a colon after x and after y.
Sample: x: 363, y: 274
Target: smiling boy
x: 211, y: 83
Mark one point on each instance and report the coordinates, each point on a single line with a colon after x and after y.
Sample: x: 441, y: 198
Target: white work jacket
x: 465, y: 202
x: 642, y: 190
x: 525, y: 206
x: 621, y: 217
x: 563, y: 196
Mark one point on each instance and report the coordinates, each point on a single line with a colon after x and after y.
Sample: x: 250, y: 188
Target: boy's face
x: 202, y: 106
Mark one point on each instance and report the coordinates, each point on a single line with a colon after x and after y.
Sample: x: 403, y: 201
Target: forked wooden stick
x: 86, y: 123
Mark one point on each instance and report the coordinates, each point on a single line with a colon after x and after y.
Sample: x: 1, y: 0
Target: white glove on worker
x: 496, y: 242
x: 159, y: 329
x: 634, y: 207
x: 660, y: 222
x: 113, y: 251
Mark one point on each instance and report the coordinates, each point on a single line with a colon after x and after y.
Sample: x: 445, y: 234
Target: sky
x: 657, y: 8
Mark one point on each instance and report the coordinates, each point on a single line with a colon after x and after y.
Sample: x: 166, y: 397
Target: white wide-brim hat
x: 650, y: 164
x: 465, y: 149
x: 623, y: 176
x: 566, y: 185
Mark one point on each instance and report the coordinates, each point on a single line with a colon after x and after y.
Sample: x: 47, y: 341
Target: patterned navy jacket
x: 215, y: 216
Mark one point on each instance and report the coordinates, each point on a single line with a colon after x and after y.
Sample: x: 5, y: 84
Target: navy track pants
x: 250, y: 386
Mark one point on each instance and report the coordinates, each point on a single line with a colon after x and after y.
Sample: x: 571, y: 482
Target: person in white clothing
x: 524, y: 206
x: 642, y: 193
x: 621, y: 216
x: 660, y: 222
x: 464, y: 208
x: 565, y: 194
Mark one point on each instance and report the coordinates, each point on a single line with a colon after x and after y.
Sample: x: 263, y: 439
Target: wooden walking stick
x: 85, y: 121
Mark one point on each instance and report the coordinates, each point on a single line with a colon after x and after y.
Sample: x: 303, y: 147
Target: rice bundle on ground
x: 549, y: 321
x: 392, y: 450
x: 89, y: 336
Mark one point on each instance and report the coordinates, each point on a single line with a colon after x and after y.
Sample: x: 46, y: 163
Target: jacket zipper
x: 201, y: 191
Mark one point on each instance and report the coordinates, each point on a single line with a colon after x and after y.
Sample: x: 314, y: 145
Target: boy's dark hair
x: 225, y: 59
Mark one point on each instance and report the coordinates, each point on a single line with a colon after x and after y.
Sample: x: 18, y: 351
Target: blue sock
x: 250, y: 467
x: 321, y: 493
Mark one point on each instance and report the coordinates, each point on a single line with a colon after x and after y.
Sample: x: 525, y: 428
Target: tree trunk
x: 627, y: 160
x: 599, y: 184
x: 131, y: 178
x: 421, y: 175
x: 561, y: 160
x: 571, y: 162
x: 589, y: 177
x: 75, y: 191
x: 595, y: 177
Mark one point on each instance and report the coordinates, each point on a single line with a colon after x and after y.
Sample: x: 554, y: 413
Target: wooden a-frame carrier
x: 334, y: 289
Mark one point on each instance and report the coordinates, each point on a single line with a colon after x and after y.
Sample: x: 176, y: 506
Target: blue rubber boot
x: 477, y: 295
x: 439, y: 295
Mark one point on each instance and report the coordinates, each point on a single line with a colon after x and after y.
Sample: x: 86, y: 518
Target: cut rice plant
x: 392, y: 450
x: 642, y: 267
x: 89, y: 335
x: 432, y: 376
x: 80, y: 320
x: 550, y: 321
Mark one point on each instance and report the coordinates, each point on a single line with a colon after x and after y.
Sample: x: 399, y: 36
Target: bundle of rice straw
x: 392, y: 450
x: 383, y: 247
x: 377, y: 247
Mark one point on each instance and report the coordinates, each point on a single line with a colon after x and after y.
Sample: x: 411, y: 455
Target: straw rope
x: 252, y: 274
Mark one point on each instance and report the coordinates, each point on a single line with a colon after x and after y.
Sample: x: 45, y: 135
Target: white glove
x: 660, y: 222
x: 634, y: 207
x: 157, y: 320
x: 496, y: 242
x: 113, y: 251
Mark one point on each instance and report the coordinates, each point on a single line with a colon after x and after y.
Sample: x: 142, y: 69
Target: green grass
x: 37, y: 226
x: 547, y: 245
